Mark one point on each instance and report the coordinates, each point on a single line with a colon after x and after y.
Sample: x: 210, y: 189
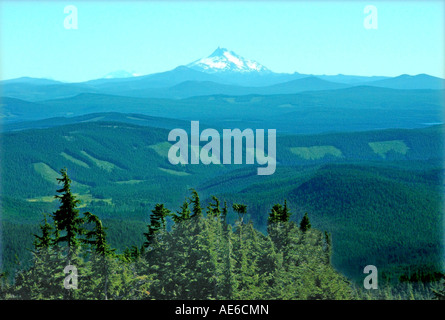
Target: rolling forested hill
x: 372, y: 190
x: 360, y: 108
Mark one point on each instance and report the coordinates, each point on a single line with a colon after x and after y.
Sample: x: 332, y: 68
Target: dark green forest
x: 191, y: 253
x: 200, y: 256
x: 380, y: 199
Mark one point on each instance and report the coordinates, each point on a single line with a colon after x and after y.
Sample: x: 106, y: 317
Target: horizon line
x: 149, y: 74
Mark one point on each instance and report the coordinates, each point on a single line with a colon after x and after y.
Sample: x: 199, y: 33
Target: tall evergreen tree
x: 100, y: 264
x: 45, y: 241
x: 157, y: 223
x: 183, y: 214
x: 213, y: 210
x: 305, y: 224
x: 197, y: 210
x: 241, y: 209
x: 97, y: 236
x: 276, y: 214
x: 66, y: 218
x: 279, y: 213
x: 285, y: 213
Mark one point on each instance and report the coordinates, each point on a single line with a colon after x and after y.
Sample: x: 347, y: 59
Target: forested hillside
x: 200, y: 256
x: 372, y: 191
x: 191, y: 253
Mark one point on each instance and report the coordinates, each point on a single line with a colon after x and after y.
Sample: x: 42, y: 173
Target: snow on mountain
x: 120, y: 74
x: 223, y: 60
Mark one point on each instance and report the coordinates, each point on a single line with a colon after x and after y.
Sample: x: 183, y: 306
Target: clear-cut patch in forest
x: 74, y: 160
x: 51, y: 175
x: 105, y: 165
x: 383, y: 147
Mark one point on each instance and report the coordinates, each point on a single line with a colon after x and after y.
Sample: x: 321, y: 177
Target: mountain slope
x: 189, y: 89
x: 155, y: 80
x: 43, y: 90
x: 420, y: 81
x: 310, y: 83
x: 225, y: 61
x: 131, y: 118
x: 12, y: 109
x: 29, y: 80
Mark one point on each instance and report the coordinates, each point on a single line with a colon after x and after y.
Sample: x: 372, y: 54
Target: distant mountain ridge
x: 349, y: 109
x: 405, y: 81
x: 222, y: 72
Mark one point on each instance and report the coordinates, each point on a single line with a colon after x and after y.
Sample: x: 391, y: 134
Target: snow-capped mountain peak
x: 223, y: 60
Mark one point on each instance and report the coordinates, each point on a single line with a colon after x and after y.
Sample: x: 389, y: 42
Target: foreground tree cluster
x: 192, y: 253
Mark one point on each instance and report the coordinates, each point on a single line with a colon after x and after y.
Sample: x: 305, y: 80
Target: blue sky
x: 148, y: 36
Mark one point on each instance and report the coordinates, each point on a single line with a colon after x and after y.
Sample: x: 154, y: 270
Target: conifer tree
x: 224, y: 213
x: 67, y: 219
x: 227, y: 279
x: 279, y: 213
x: 157, y: 223
x: 183, y: 214
x: 213, y: 210
x: 197, y: 210
x: 285, y: 213
x: 275, y: 214
x: 97, y: 236
x: 40, y: 281
x: 227, y: 285
x: 45, y: 240
x: 100, y: 264
x: 241, y: 209
x: 305, y: 224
